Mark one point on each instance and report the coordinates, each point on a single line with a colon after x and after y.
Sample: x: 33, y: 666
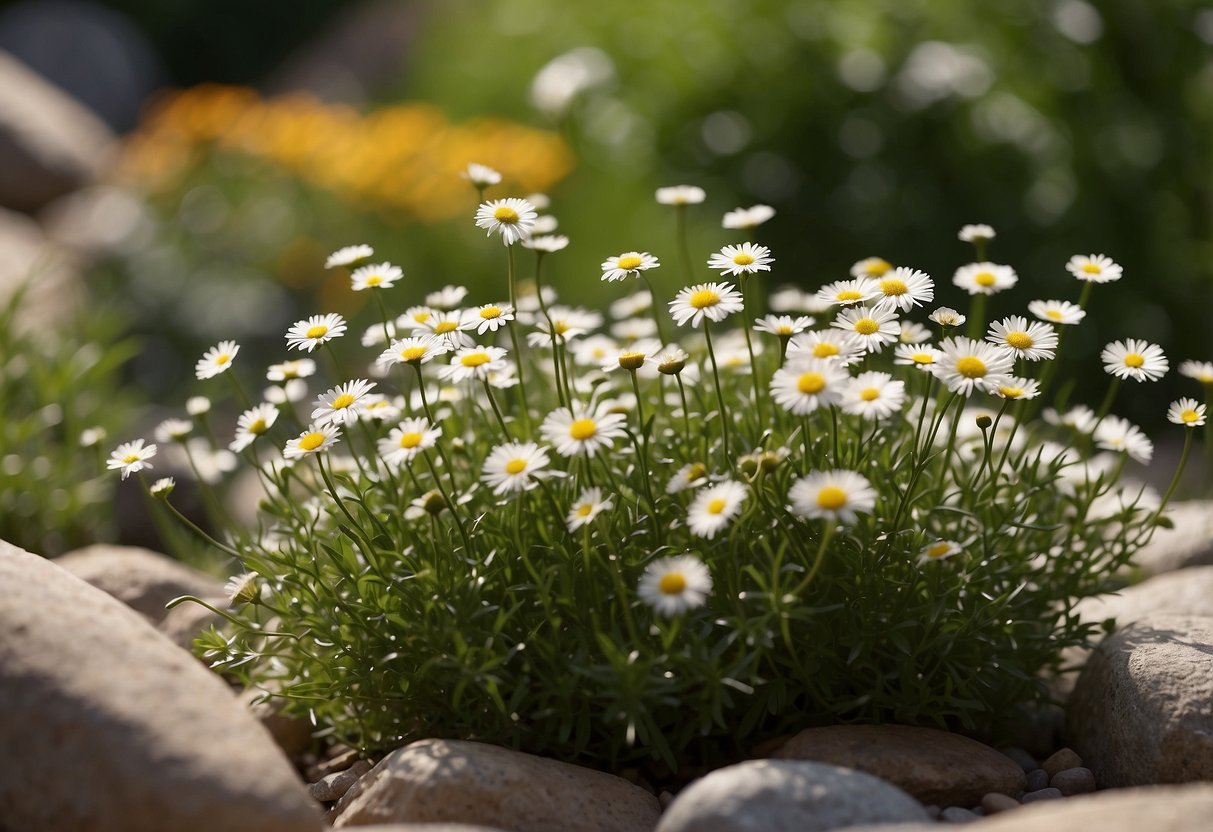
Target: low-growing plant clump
x: 672, y: 534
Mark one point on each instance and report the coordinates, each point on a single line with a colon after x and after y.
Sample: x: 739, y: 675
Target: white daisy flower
x: 162, y: 487
x: 1121, y: 435
x: 1202, y: 371
x: 913, y: 332
x: 1080, y: 418
x: 985, y: 278
x: 1014, y: 387
x: 715, y: 301
x: 634, y: 329
x: 838, y: 496
x: 589, y: 505
x: 691, y: 475
x: 628, y: 264
x: 342, y: 404
x: 672, y: 361
x: 843, y: 347
x: 92, y: 437
x: 545, y: 225
x: 714, y: 506
x: 312, y: 441
x: 197, y: 405
x: 979, y: 233
x: 671, y: 586
x: 792, y: 299
x: 873, y: 395
x: 746, y: 218
x: 874, y: 326
x: 473, y: 362
x: 848, y: 292
x: 420, y: 349
x: 251, y: 424
x: 1187, y: 412
x: 377, y: 276
x: 637, y: 303
x: 542, y: 202
x: 921, y: 356
x: 939, y: 550
x: 967, y: 364
x: 513, y: 218
x: 316, y: 330
x: 131, y: 458
x: 632, y: 357
x: 513, y: 466
x: 1032, y: 341
x: 681, y: 195
x: 448, y: 297
x: 379, y: 333
x: 593, y: 351
x: 567, y: 322
x: 785, y: 326
x: 546, y: 243
x: 216, y: 360
x: 299, y: 368
x: 210, y: 464
x: 871, y: 267
x: 947, y: 316
x: 582, y: 430
x: 451, y: 325
x: 1135, y: 359
x: 348, y: 256
x: 173, y: 430
x: 903, y: 289
x: 406, y: 440
x: 381, y: 408
x: 415, y: 317
x: 490, y: 317
x: 243, y: 589
x: 805, y: 384
x: 481, y: 176
x: 1057, y: 311
x: 1095, y: 268
x: 746, y: 258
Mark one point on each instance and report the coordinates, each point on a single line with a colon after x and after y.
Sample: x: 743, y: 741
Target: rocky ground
x: 119, y: 728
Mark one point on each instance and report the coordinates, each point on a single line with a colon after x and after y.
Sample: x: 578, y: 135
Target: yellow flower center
x: 585, y: 509
x: 1189, y: 415
x: 129, y: 458
x: 848, y: 295
x: 1053, y: 314
x: 413, y: 353
x: 560, y: 327
x: 221, y: 360
x: 410, y: 440
x: 505, y: 214
x: 317, y: 331
x: 971, y: 367
x: 490, y: 312
x: 893, y: 287
x: 258, y: 426
x: 716, y: 506
x: 704, y: 298
x: 878, y: 267
x: 923, y: 358
x: 866, y: 326
x: 515, y: 466
x: 343, y: 401
x: 811, y: 383
x: 374, y: 280
x: 475, y: 359
x: 312, y: 441
x: 421, y: 317
x: 831, y: 498
x: 784, y: 329
x: 1091, y: 268
x: 1134, y: 359
x: 672, y: 583
x: 870, y: 394
x: 583, y: 429
x: 984, y: 279
x: 1011, y: 392
x: 1019, y: 340
x: 742, y: 259
x: 825, y: 350
x: 628, y: 263
x: 939, y: 550
x: 631, y: 360
x: 446, y: 326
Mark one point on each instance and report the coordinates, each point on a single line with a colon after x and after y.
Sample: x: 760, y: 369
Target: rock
x: 993, y: 803
x: 1142, y: 711
x: 1187, y: 592
x: 1073, y: 781
x: 1036, y: 780
x: 142, y: 579
x: 787, y: 796
x: 334, y: 786
x: 1060, y: 761
x: 427, y: 827
x: 470, y: 782
x: 1189, y: 544
x: 1025, y: 760
x: 1042, y: 794
x: 292, y: 734
x: 49, y: 143
x: 186, y: 621
x: 1160, y: 809
x: 120, y: 729
x: 957, y: 814
x: 933, y: 766
x: 933, y: 811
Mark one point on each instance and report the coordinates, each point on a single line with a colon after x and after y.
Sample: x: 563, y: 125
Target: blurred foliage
x: 55, y: 386
x: 877, y: 127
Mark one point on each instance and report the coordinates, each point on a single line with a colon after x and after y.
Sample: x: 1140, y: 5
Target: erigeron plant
x: 684, y: 535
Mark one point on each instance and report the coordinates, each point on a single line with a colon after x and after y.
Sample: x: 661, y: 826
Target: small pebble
x: 334, y: 786
x: 957, y: 814
x: 933, y: 812
x: 665, y: 799
x: 1025, y: 760
x: 1036, y: 780
x: 1061, y: 760
x: 977, y: 810
x: 993, y: 803
x: 1073, y: 781
x: 1043, y: 794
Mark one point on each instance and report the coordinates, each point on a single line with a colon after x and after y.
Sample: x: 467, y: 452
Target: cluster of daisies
x: 447, y: 373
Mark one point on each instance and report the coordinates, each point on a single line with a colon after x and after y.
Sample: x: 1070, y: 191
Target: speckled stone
x: 1073, y: 781
x: 1044, y: 794
x: 1036, y: 780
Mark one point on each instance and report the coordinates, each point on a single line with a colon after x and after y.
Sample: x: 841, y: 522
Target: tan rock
x: 293, y: 734
x: 468, y: 782
x: 427, y: 827
x: 1142, y: 710
x: 1189, y: 543
x: 934, y: 766
x: 1186, y: 592
x: 142, y: 579
x: 119, y: 728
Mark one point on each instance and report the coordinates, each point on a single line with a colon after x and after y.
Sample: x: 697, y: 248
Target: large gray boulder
x: 1189, y: 543
x: 117, y: 728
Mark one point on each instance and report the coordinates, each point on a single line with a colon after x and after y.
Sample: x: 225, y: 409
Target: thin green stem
x: 724, y: 411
